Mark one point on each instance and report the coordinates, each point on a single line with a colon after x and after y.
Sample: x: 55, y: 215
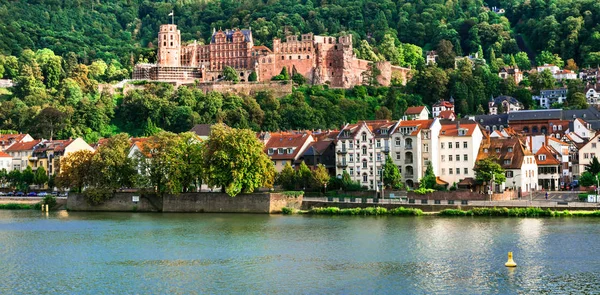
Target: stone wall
x: 279, y: 89
x: 190, y: 202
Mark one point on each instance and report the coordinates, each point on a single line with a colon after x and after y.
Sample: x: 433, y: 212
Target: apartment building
x: 459, y: 143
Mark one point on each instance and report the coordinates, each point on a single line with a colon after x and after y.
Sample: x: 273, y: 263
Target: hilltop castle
x: 320, y: 59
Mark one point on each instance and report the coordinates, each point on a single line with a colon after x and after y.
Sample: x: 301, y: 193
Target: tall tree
x: 390, y: 174
x: 488, y: 169
x: 593, y: 166
x: 446, y: 55
x: 320, y: 176
x: 75, y: 170
x: 40, y: 177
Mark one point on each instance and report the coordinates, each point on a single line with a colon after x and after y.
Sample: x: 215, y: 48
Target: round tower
x: 169, y: 46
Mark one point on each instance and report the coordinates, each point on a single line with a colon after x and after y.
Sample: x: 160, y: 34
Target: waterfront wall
x: 190, y: 202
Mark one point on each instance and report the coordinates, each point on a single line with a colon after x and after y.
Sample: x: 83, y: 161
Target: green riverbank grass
x: 16, y: 206
x: 369, y: 211
x: 517, y: 212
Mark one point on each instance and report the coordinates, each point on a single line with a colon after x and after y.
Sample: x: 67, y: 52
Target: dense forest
x: 59, y: 51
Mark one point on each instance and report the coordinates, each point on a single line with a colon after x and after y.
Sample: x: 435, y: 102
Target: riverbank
x: 401, y: 211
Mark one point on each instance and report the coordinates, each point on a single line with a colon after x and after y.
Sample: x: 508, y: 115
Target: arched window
x: 408, y: 158
x: 364, y: 164
x: 544, y: 130
x: 408, y: 143
x: 364, y: 136
x: 534, y: 129
x: 525, y: 129
x: 364, y: 150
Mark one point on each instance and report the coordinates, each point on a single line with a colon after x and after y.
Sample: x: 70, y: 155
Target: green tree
x: 429, y: 179
x: 588, y: 179
x: 320, y: 176
x: 112, y: 167
x: 75, y: 170
x: 287, y: 178
x: 488, y: 169
x: 15, y: 178
x: 3, y: 177
x: 578, y: 101
x: 593, y: 166
x: 388, y: 49
x: 304, y: 175
x: 298, y: 79
x: 189, y: 148
x: 446, y: 54
x: 160, y: 163
x: 40, y: 177
x: 366, y: 52
x: 234, y: 159
x: 523, y: 61
x: 230, y: 74
x: 390, y: 174
x: 253, y: 77
x: 28, y: 176
x: 546, y: 57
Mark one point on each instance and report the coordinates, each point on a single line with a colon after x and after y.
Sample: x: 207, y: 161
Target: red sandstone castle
x: 320, y: 59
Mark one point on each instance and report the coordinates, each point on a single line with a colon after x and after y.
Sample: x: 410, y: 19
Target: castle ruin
x: 320, y: 59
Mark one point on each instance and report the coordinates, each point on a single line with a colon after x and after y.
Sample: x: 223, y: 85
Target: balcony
x: 33, y: 158
x: 342, y: 151
x: 342, y: 164
x: 408, y: 147
x: 386, y: 149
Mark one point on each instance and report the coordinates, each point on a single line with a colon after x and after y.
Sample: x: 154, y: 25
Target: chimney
x: 457, y: 124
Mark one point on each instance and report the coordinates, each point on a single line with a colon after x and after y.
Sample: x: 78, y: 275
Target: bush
x: 96, y: 196
x: 424, y: 191
x: 287, y: 211
x: 401, y: 211
x: 50, y: 201
x: 294, y: 194
x: 15, y: 206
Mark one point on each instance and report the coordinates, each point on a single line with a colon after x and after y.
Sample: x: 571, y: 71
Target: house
x: 417, y: 113
x: 567, y: 159
x: 431, y: 57
x: 511, y: 72
x: 516, y: 159
x: 5, y: 162
x: 321, y: 151
x: 361, y: 150
x: 413, y: 148
x: 591, y: 75
x: 22, y: 154
x: 6, y: 140
x: 442, y: 106
x: 48, y: 153
x: 588, y: 151
x: 448, y: 115
x: 506, y: 103
x: 458, y: 145
x: 550, y: 67
x: 549, y: 167
x: 548, y: 97
x: 287, y: 147
x: 565, y: 75
x: 592, y: 94
x: 581, y: 128
x: 202, y: 130
x: 474, y: 59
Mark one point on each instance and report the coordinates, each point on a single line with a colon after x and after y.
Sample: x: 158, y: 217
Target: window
x: 457, y: 171
x: 442, y: 145
x: 510, y: 149
x: 465, y: 144
x: 398, y: 141
x: 364, y: 177
x: 364, y: 150
x: 506, y: 162
x: 426, y: 148
x: 509, y: 174
x: 378, y: 143
x: 450, y: 158
x: 364, y: 136
x: 270, y: 151
x: 283, y: 163
x: 457, y: 145
x: 351, y: 158
x: 397, y: 156
x: 593, y: 145
x: 443, y: 171
x: 465, y: 157
x: 542, y: 157
x: 450, y: 171
x: 280, y: 151
x: 289, y: 151
x: 378, y: 157
x: 443, y: 158
x: 351, y: 171
x: 457, y: 158
x: 449, y: 145
x: 466, y: 170
x: 485, y: 151
x: 497, y: 150
x: 364, y: 164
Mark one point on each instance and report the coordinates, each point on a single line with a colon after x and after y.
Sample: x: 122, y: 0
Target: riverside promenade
x: 438, y: 205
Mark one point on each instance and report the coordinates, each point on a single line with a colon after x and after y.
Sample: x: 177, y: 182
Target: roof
x: 557, y: 140
x: 535, y: 115
x: 317, y: 148
x: 414, y: 110
x: 23, y: 146
x: 550, y: 156
x: 4, y: 155
x: 201, y: 129
x: 285, y: 141
x: 229, y: 35
x: 504, y: 148
x: 375, y: 126
x: 419, y: 124
x: 509, y: 70
x: 444, y: 103
x: 261, y: 48
x: 450, y: 128
x: 440, y: 181
x: 467, y: 181
x: 446, y: 115
x: 491, y: 120
x: 498, y: 100
x: 55, y: 145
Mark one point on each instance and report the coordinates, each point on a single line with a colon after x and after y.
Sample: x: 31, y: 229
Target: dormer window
x: 542, y: 157
x: 497, y: 150
x: 384, y: 131
x: 271, y: 151
x: 280, y: 151
x: 506, y: 162
x: 462, y: 132
x: 486, y: 151
x: 510, y: 149
x: 290, y: 150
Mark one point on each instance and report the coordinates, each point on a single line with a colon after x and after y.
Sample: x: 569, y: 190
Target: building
x: 413, y: 148
x: 511, y: 72
x: 592, y: 94
x: 565, y: 75
x: 320, y: 59
x: 5, y: 162
x: 548, y: 97
x: 321, y: 151
x: 286, y: 148
x: 47, y: 154
x: 516, y: 159
x: 6, y: 140
x: 550, y: 67
x: 361, y: 150
x: 568, y: 159
x: 431, y: 57
x: 591, y: 75
x: 417, y: 113
x: 474, y: 59
x: 442, y: 106
x: 506, y: 103
x: 588, y: 151
x: 549, y: 168
x: 458, y: 146
x: 22, y: 154
x: 448, y: 115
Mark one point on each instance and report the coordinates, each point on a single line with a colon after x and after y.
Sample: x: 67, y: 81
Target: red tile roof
x: 374, y: 126
x: 450, y: 128
x: 505, y: 148
x: 23, y: 146
x: 550, y: 157
x: 6, y: 139
x: 4, y: 155
x: 446, y: 115
x: 444, y: 104
x: 286, y: 141
x: 414, y: 110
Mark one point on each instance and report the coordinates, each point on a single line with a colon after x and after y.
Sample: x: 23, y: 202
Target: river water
x: 145, y: 253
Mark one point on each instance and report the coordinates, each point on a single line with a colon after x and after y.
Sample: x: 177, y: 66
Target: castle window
x: 308, y: 56
x: 164, y: 43
x: 283, y: 58
x: 298, y: 56
x: 290, y: 57
x: 330, y: 64
x: 164, y: 37
x: 171, y: 44
x: 171, y: 37
x: 336, y: 47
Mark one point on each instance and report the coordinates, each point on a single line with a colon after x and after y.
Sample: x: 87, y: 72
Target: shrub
x: 50, y: 201
x: 96, y: 196
x: 401, y: 211
x: 294, y: 194
x: 15, y: 206
x: 424, y: 191
x: 287, y: 211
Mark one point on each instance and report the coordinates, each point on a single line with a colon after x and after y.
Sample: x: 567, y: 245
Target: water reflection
x: 219, y: 253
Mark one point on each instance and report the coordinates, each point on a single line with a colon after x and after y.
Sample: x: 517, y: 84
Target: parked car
x: 20, y: 194
x: 42, y: 194
x: 32, y: 194
x: 55, y: 193
x: 2, y: 194
x: 64, y: 195
x: 10, y: 194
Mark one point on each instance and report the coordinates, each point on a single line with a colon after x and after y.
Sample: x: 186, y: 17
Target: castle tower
x: 169, y: 46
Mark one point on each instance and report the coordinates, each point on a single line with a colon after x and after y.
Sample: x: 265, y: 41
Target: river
x: 144, y: 253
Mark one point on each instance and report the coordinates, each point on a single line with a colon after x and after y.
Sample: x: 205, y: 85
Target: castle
x: 320, y: 59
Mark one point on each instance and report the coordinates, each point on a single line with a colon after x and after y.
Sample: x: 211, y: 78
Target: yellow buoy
x: 510, y: 262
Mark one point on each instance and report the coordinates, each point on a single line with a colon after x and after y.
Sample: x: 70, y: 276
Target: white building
x: 5, y: 162
x: 508, y: 104
x: 550, y: 67
x: 458, y: 147
x: 592, y: 94
x: 417, y: 113
x: 588, y: 151
x: 565, y: 75
x: 361, y: 150
x: 549, y: 96
x: 7, y: 140
x: 442, y: 106
x: 549, y: 167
